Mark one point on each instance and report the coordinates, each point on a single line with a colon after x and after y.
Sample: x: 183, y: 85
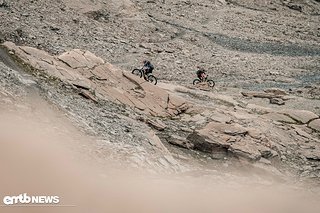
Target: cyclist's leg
x: 146, y: 73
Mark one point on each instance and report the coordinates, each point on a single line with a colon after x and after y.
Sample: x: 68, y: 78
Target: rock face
x: 223, y: 140
x: 84, y: 70
x: 220, y: 125
x: 232, y: 45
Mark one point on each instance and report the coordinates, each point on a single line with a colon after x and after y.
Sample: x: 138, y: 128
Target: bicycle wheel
x: 211, y: 83
x: 196, y: 81
x: 152, y: 79
x: 137, y: 72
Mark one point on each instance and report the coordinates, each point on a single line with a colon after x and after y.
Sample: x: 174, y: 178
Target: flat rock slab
x: 279, y: 117
x: 276, y: 91
x: 315, y: 125
x: 220, y: 117
x: 86, y: 71
x: 301, y: 116
x: 260, y: 95
x: 80, y: 59
x: 229, y: 129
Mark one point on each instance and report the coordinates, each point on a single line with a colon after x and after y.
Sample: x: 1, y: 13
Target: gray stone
x: 180, y: 141
x: 276, y: 91
x: 280, y: 118
x: 315, y: 125
x: 156, y: 124
x: 302, y: 116
x: 277, y: 101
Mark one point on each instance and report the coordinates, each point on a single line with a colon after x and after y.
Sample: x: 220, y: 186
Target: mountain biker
x: 201, y: 73
x: 147, y: 67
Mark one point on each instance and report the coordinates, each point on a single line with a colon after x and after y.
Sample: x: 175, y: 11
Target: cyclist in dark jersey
x: 201, y: 73
x: 148, y: 67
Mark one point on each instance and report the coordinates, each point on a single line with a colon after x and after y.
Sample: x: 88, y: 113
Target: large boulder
x: 223, y: 140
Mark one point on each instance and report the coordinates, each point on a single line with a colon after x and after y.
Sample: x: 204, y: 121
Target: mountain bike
x: 141, y: 73
x: 210, y: 82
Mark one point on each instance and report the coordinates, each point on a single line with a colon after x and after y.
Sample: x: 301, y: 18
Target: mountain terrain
x: 66, y: 66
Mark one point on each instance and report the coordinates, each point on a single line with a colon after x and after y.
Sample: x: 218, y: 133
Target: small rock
x: 254, y: 133
x: 171, y: 160
x: 295, y: 7
x: 221, y: 118
x: 88, y: 95
x: 179, y: 141
x: 156, y: 124
x: 164, y: 163
x: 199, y: 119
x: 265, y: 161
x: 3, y: 3
x: 276, y: 91
x: 305, y: 174
x: 277, y: 101
x: 54, y: 28
x: 274, y: 73
x: 186, y: 129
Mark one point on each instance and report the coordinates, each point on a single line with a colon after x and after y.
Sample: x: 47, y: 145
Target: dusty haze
x: 38, y: 158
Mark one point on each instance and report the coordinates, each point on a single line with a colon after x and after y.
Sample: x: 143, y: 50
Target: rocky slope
x: 241, y: 43
x: 77, y: 55
x: 223, y: 127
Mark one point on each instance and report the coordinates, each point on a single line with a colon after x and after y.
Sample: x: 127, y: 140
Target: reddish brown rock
x: 87, y: 71
x: 279, y: 117
x: 222, y: 140
x: 156, y: 124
